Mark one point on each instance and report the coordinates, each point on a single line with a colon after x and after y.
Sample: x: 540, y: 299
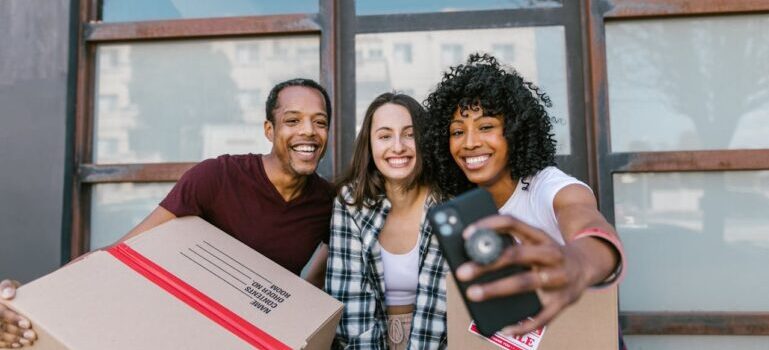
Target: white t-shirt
x: 534, y: 206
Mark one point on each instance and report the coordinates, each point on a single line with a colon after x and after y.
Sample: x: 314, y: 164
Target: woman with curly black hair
x: 488, y: 127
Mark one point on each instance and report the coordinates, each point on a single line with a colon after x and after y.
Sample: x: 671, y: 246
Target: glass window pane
x: 378, y: 7
x: 191, y: 100
x: 117, y: 207
x: 148, y: 10
x: 689, y: 83
x: 695, y: 241
x: 695, y: 342
x: 413, y: 62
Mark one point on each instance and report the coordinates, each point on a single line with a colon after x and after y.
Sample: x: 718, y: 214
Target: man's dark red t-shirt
x: 233, y: 193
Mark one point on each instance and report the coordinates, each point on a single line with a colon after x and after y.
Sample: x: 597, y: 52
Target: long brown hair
x: 366, y: 183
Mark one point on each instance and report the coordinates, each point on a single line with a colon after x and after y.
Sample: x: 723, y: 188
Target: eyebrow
x: 299, y: 112
x: 387, y: 128
x: 454, y: 120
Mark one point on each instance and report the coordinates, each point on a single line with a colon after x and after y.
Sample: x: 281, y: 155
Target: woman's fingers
x: 9, y: 316
x: 541, y: 256
x: 509, y: 225
x: 8, y: 289
x: 29, y: 335
x: 516, y: 284
x: 9, y: 338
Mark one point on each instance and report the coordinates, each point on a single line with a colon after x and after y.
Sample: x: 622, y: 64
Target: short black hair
x: 483, y: 82
x: 272, y: 98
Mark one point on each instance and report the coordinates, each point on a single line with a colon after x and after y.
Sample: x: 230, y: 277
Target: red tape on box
x: 195, y: 299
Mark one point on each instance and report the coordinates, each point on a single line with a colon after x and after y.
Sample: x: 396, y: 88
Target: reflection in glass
x: 689, y: 83
x: 378, y: 7
x: 694, y: 241
x: 117, y: 208
x: 191, y: 100
x: 147, y: 10
x: 413, y: 62
x: 698, y: 342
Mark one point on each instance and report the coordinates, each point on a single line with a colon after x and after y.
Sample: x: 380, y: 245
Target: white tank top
x: 401, y: 275
x: 535, y: 205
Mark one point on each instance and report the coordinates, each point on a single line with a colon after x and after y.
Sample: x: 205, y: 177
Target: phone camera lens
x: 440, y: 217
x: 445, y: 229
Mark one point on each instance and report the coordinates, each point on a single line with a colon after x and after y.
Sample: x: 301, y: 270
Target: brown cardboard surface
x: 100, y: 303
x: 590, y: 324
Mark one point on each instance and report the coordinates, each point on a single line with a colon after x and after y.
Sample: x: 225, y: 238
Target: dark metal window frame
x: 92, y: 32
x: 568, y: 16
x: 597, y: 13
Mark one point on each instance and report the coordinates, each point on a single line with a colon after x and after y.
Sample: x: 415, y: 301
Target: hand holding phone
x: 449, y: 220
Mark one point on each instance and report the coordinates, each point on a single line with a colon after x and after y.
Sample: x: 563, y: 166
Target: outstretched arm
x: 559, y: 273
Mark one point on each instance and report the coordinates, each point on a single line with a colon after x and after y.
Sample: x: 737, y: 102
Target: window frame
x: 92, y: 32
x: 597, y: 14
x: 568, y: 15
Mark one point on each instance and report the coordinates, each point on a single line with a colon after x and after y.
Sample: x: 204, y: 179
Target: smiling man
x: 274, y: 203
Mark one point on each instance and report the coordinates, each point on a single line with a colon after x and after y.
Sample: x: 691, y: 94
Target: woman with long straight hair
x: 383, y: 262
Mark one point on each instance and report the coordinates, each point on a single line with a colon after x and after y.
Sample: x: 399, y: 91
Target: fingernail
x: 24, y: 323
x: 25, y: 342
x: 464, y: 272
x: 29, y: 334
x: 7, y: 293
x: 15, y: 345
x: 468, y: 231
x: 475, y: 293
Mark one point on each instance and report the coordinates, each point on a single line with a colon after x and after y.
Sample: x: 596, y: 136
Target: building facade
x: 661, y: 106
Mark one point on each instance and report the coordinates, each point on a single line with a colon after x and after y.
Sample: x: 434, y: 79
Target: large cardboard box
x: 183, y: 285
x: 589, y: 324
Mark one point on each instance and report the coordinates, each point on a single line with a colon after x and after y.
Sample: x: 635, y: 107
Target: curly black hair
x: 483, y: 82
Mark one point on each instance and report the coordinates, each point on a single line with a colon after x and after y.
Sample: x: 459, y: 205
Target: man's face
x: 478, y: 146
x: 300, y: 129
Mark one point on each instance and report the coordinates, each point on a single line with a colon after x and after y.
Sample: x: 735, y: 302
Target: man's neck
x: 288, y: 183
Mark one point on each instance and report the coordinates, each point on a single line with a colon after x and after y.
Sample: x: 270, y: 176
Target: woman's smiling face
x: 478, y: 145
x: 392, y: 142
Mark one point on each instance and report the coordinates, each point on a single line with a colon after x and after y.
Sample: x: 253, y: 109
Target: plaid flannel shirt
x: 355, y: 276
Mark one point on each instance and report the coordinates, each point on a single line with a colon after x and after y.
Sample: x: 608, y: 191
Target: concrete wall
x: 34, y: 45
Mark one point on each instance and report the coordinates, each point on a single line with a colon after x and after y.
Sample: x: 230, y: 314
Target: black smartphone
x: 448, y: 220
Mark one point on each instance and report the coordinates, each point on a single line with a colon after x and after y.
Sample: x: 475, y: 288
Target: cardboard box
x: 590, y: 324
x: 183, y: 285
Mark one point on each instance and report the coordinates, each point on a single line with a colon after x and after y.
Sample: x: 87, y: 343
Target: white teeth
x: 304, y: 148
x: 398, y: 161
x: 475, y: 160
